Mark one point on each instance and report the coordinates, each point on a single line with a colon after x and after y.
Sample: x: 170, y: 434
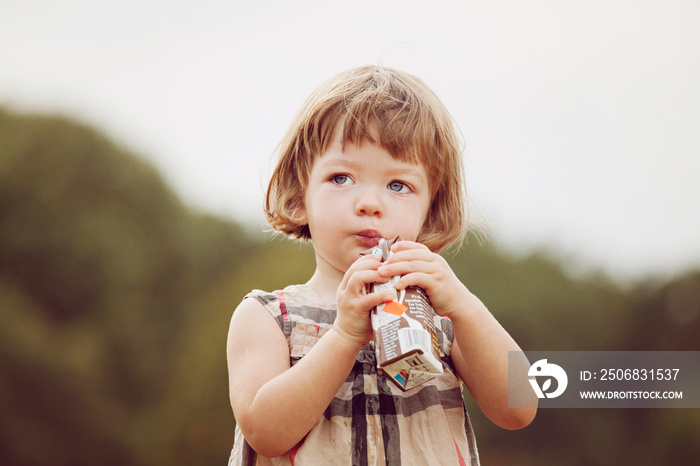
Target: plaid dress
x: 370, y: 421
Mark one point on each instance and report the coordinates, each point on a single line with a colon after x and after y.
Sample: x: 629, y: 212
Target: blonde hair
x: 387, y: 107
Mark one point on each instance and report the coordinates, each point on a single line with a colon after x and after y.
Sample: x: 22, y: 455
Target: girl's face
x: 357, y: 196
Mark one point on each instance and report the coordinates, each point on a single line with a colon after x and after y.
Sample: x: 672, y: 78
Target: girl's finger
x: 363, y: 263
x: 408, y: 245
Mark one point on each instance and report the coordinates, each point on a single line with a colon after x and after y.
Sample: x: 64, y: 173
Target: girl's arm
x: 480, y: 355
x: 481, y: 346
x: 276, y: 404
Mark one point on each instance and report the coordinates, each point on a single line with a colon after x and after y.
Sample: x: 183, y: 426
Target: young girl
x: 372, y: 154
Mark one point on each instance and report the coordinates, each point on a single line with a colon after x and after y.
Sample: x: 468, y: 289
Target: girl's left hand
x: 418, y: 266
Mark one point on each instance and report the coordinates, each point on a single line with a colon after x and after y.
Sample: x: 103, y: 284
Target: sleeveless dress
x: 370, y: 421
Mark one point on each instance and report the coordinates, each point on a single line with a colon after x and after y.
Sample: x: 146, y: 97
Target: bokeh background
x: 136, y: 138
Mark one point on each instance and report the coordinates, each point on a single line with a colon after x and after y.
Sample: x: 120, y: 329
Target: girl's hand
x: 354, y: 303
x: 418, y: 266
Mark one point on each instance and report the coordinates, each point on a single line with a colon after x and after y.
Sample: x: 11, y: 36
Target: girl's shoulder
x: 301, y: 314
x: 295, y: 303
x: 294, y: 296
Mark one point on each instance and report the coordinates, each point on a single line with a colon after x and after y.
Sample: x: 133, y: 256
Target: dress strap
x: 283, y: 305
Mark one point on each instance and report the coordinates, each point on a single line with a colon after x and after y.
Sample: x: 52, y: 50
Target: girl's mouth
x: 369, y: 238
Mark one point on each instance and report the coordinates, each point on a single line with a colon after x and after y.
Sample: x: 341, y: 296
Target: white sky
x: 580, y: 118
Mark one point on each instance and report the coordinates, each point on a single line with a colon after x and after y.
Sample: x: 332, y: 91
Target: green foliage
x: 99, y: 267
x: 532, y: 296
x: 115, y: 300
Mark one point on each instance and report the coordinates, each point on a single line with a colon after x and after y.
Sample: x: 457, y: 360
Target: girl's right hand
x: 355, y: 303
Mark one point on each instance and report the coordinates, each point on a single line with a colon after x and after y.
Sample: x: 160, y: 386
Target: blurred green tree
x: 99, y: 265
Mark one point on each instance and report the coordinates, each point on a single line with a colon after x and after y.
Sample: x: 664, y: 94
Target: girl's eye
x: 399, y: 187
x: 340, y: 179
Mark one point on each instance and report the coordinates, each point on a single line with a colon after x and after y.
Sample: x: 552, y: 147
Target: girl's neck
x: 324, y: 285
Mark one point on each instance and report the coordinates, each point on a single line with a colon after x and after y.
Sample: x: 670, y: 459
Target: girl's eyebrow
x: 338, y: 163
x: 408, y: 171
x: 333, y: 162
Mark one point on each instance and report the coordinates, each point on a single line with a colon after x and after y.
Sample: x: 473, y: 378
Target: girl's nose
x: 369, y: 204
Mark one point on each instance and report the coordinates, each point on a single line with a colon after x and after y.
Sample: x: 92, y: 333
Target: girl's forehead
x: 369, y: 158
x: 399, y: 149
x: 350, y: 152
